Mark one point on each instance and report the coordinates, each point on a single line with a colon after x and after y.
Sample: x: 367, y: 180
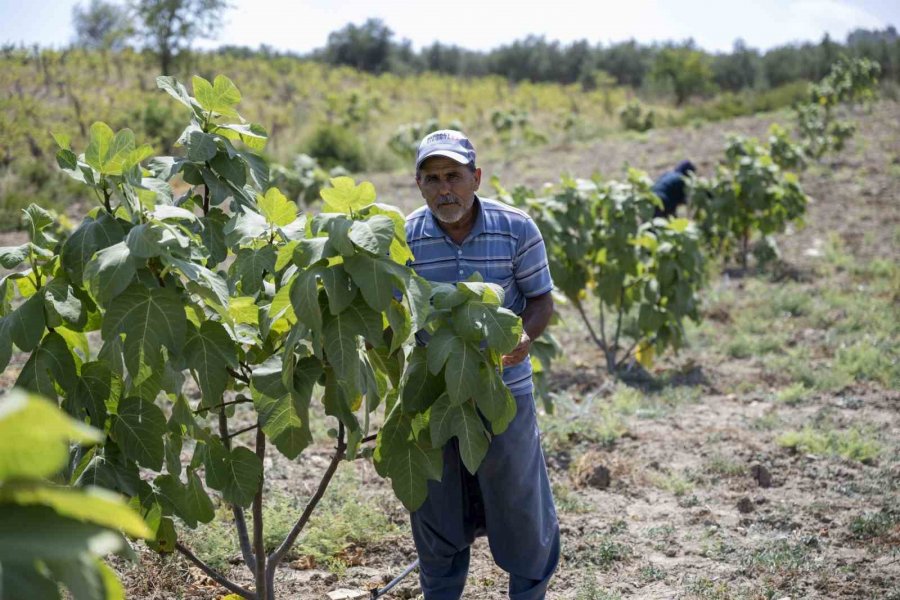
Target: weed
x: 778, y: 556
x: 792, y: 395
x: 767, y: 422
x: 672, y: 482
x: 724, y: 466
x: 852, y: 444
x: 650, y: 573
x: 589, y: 590
x: 865, y: 361
x: 568, y: 501
x: 872, y: 525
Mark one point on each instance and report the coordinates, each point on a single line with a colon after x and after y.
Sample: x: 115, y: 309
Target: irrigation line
x: 376, y: 593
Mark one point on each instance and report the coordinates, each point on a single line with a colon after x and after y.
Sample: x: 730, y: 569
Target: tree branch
x: 238, y: 376
x: 278, y: 555
x: 239, y: 522
x: 261, y: 573
x: 223, y: 405
x: 220, y: 579
x: 587, y: 322
x: 240, y: 431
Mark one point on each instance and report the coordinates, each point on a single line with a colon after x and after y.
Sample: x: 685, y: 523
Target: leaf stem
x: 240, y: 431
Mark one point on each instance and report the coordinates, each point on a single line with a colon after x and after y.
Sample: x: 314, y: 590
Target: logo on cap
x: 446, y: 142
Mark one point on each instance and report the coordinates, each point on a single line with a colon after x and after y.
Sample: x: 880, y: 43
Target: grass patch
x: 792, y: 395
x: 589, y: 589
x: 672, y: 482
x: 867, y: 362
x: 341, y: 519
x: 875, y: 524
x: 568, y: 501
x: 779, y: 556
x: 724, y: 466
x: 852, y: 444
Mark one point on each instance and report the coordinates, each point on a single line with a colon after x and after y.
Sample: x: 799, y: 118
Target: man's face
x: 448, y: 188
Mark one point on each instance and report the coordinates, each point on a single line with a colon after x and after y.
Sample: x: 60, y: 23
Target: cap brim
x: 460, y: 158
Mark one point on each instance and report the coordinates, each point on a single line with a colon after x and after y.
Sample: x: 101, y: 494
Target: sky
x: 301, y: 26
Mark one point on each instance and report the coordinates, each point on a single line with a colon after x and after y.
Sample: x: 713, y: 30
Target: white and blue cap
x: 446, y: 142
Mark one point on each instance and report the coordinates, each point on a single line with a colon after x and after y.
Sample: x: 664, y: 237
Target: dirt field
x: 762, y: 462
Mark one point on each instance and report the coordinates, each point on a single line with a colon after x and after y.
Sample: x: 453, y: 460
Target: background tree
x: 169, y: 26
x: 738, y: 70
x: 367, y: 47
x: 685, y: 68
x: 101, y: 25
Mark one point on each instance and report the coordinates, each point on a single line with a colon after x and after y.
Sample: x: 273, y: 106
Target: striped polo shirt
x: 504, y: 246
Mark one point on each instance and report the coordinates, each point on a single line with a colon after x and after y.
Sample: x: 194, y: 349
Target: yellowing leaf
x: 645, y: 354
x: 277, y: 209
x: 345, y: 196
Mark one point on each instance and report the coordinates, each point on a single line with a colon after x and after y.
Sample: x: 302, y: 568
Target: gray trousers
x: 508, y: 499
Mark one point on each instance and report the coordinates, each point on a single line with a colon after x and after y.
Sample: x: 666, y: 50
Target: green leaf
x: 198, y: 502
x: 450, y: 418
x: 494, y: 399
x: 201, y: 147
x: 230, y: 169
x: 26, y: 324
x: 139, y: 428
x: 92, y: 235
x: 341, y: 290
x: 109, y: 272
x: 373, y: 235
x: 310, y: 251
x: 109, y: 153
x: 341, y: 345
x: 175, y: 89
x: 150, y: 318
x: 220, y: 97
x: 12, y: 256
x: 375, y: 278
x: 401, y: 324
x: 250, y: 267
x: 411, y: 466
x: 283, y: 412
x: 35, y: 436
x: 238, y: 474
x: 98, y: 391
x: 31, y: 532
x: 203, y: 281
x: 252, y: 134
x: 277, y: 209
x: 87, y: 578
x: 52, y: 361
x: 345, y: 196
x: 62, y: 305
x: 305, y: 299
x: 501, y: 327
x: 208, y: 352
x: 23, y: 580
x: 89, y: 505
x: 420, y: 388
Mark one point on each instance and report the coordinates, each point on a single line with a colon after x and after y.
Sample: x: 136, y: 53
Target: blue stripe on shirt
x: 504, y: 246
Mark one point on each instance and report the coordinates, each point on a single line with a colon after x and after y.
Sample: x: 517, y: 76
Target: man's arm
x: 535, y: 318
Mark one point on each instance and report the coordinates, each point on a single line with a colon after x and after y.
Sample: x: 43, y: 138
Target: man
x: 670, y: 188
x: 454, y: 235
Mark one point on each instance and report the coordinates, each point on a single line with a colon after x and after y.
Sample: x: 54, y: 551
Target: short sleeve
x: 530, y: 266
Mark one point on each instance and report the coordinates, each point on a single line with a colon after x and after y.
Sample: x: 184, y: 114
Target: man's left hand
x: 518, y: 353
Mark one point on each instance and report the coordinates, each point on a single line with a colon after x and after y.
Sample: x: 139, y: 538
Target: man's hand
x: 518, y: 353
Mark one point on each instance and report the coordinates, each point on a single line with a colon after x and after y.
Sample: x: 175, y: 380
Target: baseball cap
x: 446, y: 142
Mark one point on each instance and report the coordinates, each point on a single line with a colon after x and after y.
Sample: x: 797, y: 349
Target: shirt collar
x: 433, y: 229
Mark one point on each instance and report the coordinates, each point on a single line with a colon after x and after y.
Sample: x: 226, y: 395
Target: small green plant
x: 336, y: 146
x: 871, y: 525
x: 644, y: 273
x: 748, y: 201
x: 852, y: 444
x: 513, y: 128
x: 794, y: 394
x: 851, y: 80
x: 635, y: 118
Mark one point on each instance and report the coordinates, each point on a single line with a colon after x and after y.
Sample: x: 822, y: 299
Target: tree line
x: 168, y: 27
